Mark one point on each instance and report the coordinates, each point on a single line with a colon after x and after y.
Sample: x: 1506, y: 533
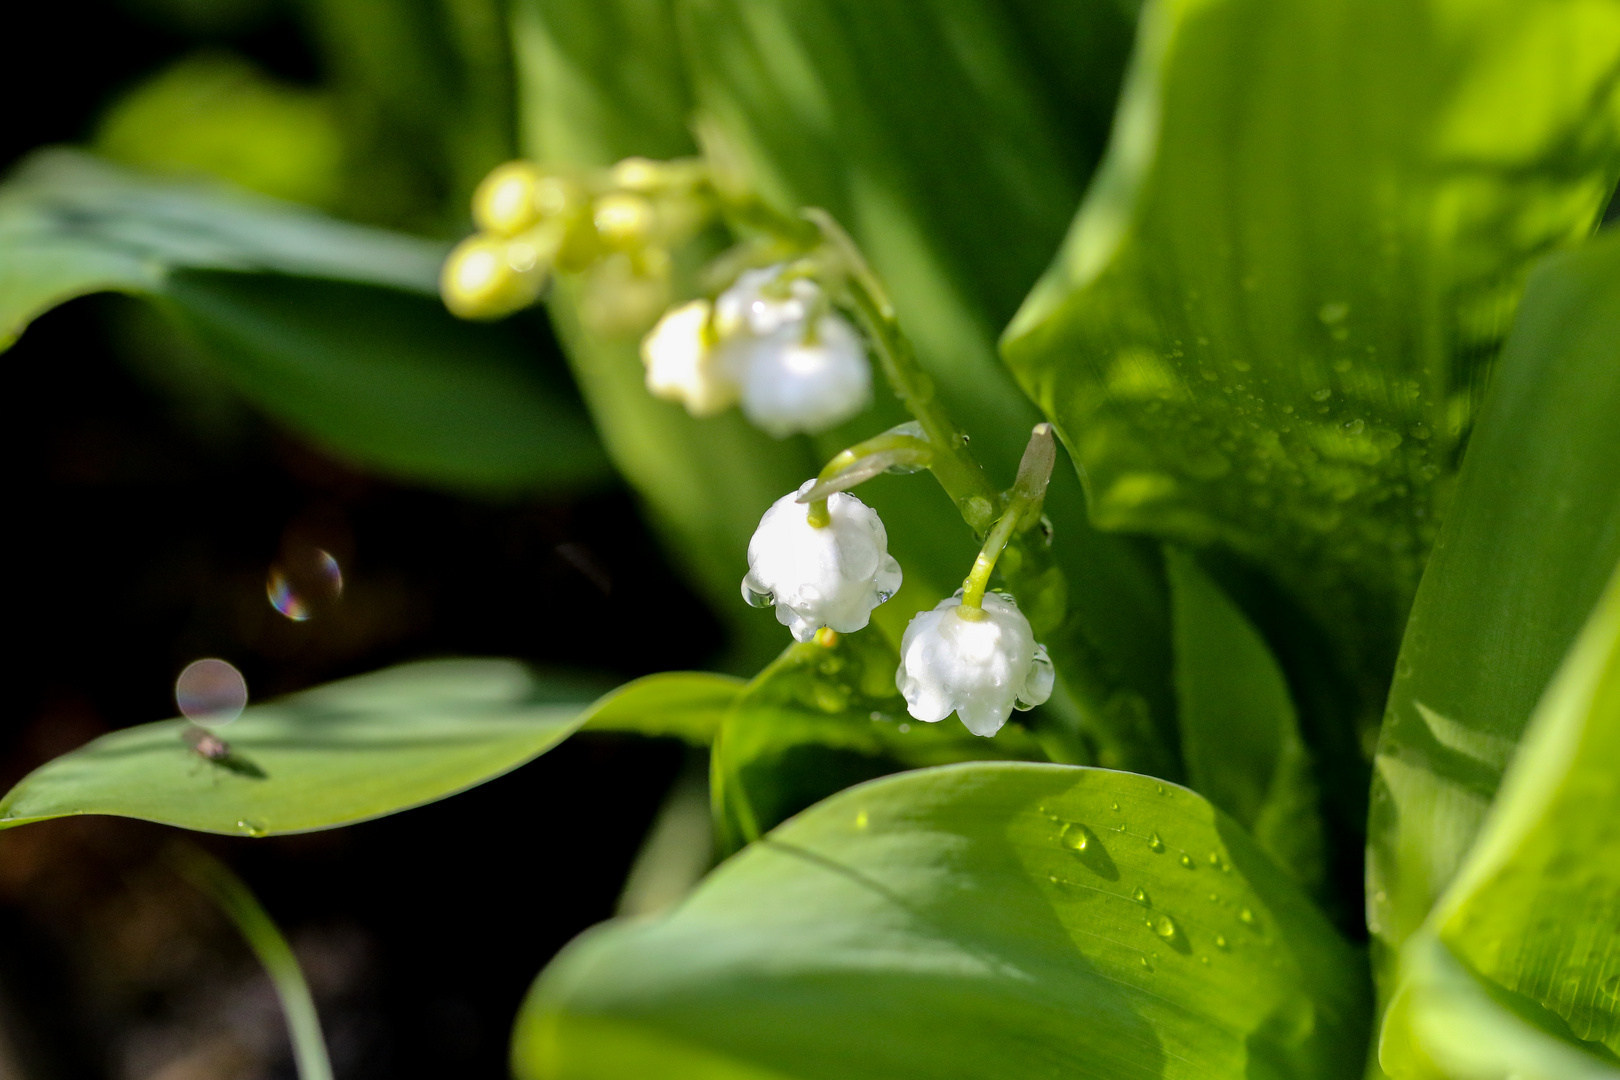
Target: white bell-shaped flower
x: 982, y: 669
x: 792, y: 385
x: 799, y: 371
x: 830, y: 576
x: 683, y: 365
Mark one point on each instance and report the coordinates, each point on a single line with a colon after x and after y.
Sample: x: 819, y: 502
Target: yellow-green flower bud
x: 487, y: 277
x: 637, y: 174
x: 624, y: 221
x: 506, y: 202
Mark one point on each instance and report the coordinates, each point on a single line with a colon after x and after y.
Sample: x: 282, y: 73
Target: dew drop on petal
x: 754, y: 598
x: 210, y: 693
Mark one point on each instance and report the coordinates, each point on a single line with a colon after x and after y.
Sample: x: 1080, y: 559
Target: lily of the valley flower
x: 683, y: 366
x: 770, y: 342
x: 832, y: 575
x: 980, y: 668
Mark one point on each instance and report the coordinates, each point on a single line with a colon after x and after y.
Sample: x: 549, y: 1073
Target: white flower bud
x: 981, y: 668
x: 830, y: 576
x: 683, y: 366
x: 791, y: 385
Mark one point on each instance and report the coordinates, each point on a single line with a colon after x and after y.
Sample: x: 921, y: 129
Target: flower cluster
x: 770, y: 343
x: 617, y: 228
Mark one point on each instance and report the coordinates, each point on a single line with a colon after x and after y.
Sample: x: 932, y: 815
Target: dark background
x: 141, y: 529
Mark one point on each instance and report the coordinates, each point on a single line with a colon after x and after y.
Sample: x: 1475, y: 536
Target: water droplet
x: 1220, y: 941
x: 1141, y: 897
x: 251, y: 828
x: 1420, y: 431
x: 1355, y: 427
x: 1186, y: 860
x: 1158, y: 789
x: 1214, y: 858
x: 1114, y: 807
x: 1322, y: 394
x: 304, y: 582
x: 1155, y: 843
x: 1204, y: 960
x: 1165, y: 927
x: 861, y: 820
x: 754, y: 598
x: 210, y: 693
x: 1246, y: 917
x: 1146, y: 964
x: 1076, y: 837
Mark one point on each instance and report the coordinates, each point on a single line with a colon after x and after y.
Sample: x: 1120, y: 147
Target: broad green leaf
x: 1272, y: 316
x: 1532, y: 534
x: 393, y: 381
x: 72, y: 225
x: 1007, y: 919
x: 1531, y: 916
x: 686, y: 705
x: 822, y: 718
x: 1448, y: 1024
x: 333, y: 329
x: 1239, y: 734
x: 352, y: 750
x: 953, y: 141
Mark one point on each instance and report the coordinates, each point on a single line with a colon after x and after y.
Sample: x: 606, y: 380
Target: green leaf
x: 392, y: 380
x: 953, y: 140
x: 822, y: 718
x: 1531, y: 915
x: 1273, y: 312
x: 686, y: 705
x: 356, y: 749
x: 948, y: 923
x: 333, y: 329
x: 1448, y: 1024
x: 1239, y: 735
x: 1531, y: 536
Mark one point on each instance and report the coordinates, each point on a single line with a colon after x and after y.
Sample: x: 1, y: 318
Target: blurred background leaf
x: 1532, y: 535
x: 990, y: 919
x: 1274, y: 314
x: 334, y: 329
x: 1530, y: 915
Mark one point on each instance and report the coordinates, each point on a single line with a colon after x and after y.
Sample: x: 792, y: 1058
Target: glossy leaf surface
x: 1270, y: 319
x: 1532, y: 534
x: 352, y: 750
x: 1239, y: 732
x: 1531, y: 914
x: 951, y: 923
x: 953, y: 141
x: 333, y: 329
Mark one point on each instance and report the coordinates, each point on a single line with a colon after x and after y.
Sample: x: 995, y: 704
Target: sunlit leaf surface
x: 333, y: 329
x: 1532, y: 534
x: 1272, y: 317
x: 993, y: 919
x: 356, y: 749
x: 1530, y: 918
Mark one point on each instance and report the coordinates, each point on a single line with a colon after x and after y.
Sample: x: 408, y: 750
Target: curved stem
x: 1028, y: 493
x: 216, y: 881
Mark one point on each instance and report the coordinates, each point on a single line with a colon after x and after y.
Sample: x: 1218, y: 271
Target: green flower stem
x: 861, y: 462
x: 216, y: 881
x: 1028, y: 493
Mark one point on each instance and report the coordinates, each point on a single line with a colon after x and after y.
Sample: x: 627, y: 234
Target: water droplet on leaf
x: 1155, y: 843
